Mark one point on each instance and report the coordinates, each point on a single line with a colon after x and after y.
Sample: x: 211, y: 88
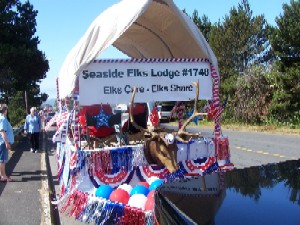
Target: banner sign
x: 112, y: 81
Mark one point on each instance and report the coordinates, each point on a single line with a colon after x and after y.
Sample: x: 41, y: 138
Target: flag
x: 61, y: 117
x: 211, y: 110
x: 51, y: 122
x: 61, y: 133
x: 219, y: 113
x: 154, y: 118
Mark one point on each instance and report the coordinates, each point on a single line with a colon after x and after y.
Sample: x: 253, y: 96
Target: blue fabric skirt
x: 3, y: 153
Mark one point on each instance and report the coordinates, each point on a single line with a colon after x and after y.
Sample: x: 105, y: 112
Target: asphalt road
x: 257, y: 148
x: 247, y: 149
x: 21, y: 201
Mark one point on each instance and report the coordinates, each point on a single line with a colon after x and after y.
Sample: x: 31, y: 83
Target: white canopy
x: 140, y: 29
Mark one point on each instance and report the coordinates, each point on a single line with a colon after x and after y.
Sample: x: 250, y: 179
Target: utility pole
x: 26, y: 103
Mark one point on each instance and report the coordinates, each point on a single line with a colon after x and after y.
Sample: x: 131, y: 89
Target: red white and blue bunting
x: 76, y: 121
x: 118, y: 166
x: 87, y: 208
x: 114, y: 180
x: 62, y: 131
x: 216, y: 100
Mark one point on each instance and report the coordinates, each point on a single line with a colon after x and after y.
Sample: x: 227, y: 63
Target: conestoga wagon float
x: 112, y: 160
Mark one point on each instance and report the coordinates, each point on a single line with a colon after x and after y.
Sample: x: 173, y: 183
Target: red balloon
x: 144, y: 184
x: 151, y: 194
x: 149, y: 203
x: 119, y: 195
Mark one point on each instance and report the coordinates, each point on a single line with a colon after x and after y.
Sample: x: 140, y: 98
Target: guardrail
x: 18, y: 130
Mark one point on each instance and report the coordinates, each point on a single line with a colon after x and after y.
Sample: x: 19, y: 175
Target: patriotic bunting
x: 80, y: 172
x: 61, y: 133
x: 51, y: 122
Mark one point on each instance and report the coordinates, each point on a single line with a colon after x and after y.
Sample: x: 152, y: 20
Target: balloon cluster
x: 141, y: 196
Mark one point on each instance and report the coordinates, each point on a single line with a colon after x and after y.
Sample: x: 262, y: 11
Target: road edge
x: 49, y: 193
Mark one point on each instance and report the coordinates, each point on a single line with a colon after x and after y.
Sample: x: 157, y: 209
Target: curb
x: 54, y: 214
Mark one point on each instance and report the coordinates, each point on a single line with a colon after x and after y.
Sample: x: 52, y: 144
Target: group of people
x: 33, y: 125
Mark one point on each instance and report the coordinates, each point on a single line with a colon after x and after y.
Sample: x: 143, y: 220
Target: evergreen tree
x: 16, y: 108
x: 286, y: 74
x: 285, y: 37
x: 203, y: 24
x: 239, y: 41
x: 22, y: 65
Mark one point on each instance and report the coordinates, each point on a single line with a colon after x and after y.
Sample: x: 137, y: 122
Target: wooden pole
x: 26, y: 102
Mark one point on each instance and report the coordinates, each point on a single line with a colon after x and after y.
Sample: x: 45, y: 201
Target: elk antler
x: 158, y: 150
x: 181, y: 131
x: 138, y: 127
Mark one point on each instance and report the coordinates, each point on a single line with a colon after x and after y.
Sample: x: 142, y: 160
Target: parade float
x: 110, y: 161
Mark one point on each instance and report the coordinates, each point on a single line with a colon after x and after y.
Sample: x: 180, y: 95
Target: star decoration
x: 102, y: 119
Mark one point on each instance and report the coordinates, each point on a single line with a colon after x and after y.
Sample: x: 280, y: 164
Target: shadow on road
x: 21, y: 146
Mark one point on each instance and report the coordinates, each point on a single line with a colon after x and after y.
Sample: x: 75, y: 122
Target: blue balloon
x: 104, y: 191
x: 139, y: 189
x: 155, y: 184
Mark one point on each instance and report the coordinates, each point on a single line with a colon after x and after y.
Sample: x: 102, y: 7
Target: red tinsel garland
x: 222, y: 146
x: 133, y: 216
x: 80, y: 200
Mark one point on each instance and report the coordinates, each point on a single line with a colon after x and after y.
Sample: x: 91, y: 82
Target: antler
x: 195, y: 113
x: 158, y: 149
x: 138, y: 127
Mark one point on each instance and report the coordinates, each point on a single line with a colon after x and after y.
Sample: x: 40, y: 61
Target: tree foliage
x: 259, y: 64
x: 202, y: 23
x: 285, y: 37
x: 252, y: 96
x: 16, y: 109
x: 286, y: 74
x: 22, y: 65
x: 285, y: 105
x: 240, y: 40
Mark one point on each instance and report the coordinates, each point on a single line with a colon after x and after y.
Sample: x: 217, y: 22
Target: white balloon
x: 151, y: 179
x: 138, y: 201
x: 126, y: 187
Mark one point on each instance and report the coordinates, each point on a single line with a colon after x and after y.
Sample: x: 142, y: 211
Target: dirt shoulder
x: 243, y: 127
x: 269, y: 129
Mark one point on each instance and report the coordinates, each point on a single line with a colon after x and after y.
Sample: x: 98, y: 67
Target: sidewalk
x: 23, y: 200
x: 27, y: 200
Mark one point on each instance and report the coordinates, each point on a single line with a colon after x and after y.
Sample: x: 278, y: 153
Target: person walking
x: 6, y: 140
x: 33, y: 126
x: 42, y: 117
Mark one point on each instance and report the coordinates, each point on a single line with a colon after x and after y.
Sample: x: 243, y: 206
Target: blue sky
x: 61, y: 23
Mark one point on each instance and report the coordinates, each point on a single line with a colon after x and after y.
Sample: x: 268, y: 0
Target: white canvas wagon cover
x: 140, y: 29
